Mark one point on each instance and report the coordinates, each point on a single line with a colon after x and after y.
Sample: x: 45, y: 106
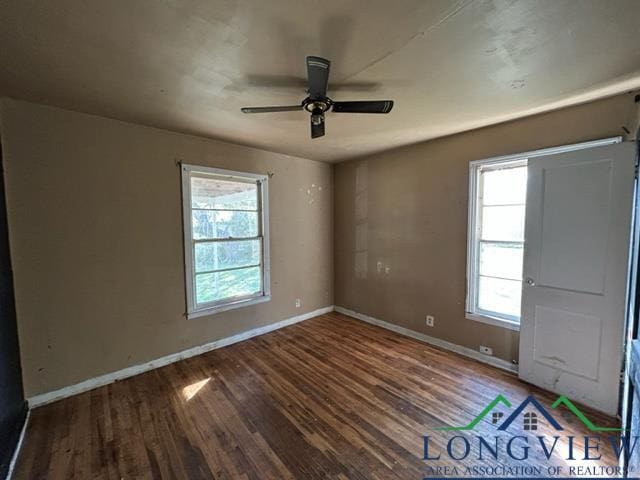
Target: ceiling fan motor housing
x: 317, y: 109
x: 315, y: 106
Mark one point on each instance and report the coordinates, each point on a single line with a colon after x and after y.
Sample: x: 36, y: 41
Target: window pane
x: 500, y: 296
x: 503, y: 223
x: 224, y: 224
x: 231, y: 254
x: 505, y: 186
x: 212, y: 192
x: 212, y: 287
x: 501, y: 260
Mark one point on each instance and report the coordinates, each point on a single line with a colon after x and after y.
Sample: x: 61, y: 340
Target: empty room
x: 303, y: 239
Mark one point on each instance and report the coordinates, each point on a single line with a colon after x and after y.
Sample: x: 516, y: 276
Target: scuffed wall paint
x: 97, y: 247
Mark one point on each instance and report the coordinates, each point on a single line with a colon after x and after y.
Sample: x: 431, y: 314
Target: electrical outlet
x: 298, y: 303
x: 486, y: 350
x: 430, y: 320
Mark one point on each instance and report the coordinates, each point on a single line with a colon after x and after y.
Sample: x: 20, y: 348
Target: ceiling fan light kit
x: 317, y: 103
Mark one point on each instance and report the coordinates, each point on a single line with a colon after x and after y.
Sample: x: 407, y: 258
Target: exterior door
x: 576, y: 262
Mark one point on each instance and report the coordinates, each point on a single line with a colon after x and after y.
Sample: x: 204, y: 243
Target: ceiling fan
x: 317, y: 103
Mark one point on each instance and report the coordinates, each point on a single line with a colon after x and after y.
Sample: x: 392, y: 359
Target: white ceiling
x: 189, y: 65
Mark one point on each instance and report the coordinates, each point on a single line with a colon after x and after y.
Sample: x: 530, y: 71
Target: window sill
x: 497, y: 322
x: 227, y: 306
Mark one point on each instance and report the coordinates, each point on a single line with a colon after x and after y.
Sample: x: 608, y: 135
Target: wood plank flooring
x: 330, y: 398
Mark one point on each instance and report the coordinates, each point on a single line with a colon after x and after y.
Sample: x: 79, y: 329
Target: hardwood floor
x: 331, y: 397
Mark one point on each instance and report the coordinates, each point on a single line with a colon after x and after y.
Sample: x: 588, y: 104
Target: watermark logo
x: 514, y: 454
x: 530, y: 418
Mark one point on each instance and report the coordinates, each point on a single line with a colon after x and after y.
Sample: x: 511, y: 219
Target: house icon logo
x: 532, y: 411
x: 529, y: 421
x: 530, y: 418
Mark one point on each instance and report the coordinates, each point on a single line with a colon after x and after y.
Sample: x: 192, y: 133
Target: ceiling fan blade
x: 365, y: 106
x: 289, y: 108
x: 317, y: 128
x: 318, y: 75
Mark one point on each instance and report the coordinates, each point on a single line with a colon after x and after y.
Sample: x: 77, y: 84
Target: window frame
x: 471, y: 254
x: 195, y: 310
x: 473, y: 312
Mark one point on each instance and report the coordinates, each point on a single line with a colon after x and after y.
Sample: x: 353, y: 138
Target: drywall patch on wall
x: 361, y: 257
x: 312, y: 193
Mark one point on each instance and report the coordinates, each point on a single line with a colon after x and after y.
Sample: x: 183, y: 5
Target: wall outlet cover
x: 430, y: 320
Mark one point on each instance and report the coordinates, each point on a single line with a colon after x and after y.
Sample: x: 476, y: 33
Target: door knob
x: 530, y: 281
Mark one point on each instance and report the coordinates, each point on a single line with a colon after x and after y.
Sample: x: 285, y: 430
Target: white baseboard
x: 467, y: 352
x: 108, y: 378
x: 16, y: 452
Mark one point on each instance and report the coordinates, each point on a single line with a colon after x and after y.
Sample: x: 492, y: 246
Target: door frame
x: 627, y: 390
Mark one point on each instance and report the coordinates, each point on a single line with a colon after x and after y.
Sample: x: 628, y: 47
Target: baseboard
x: 16, y: 452
x: 90, y: 384
x: 43, y: 399
x: 452, y: 347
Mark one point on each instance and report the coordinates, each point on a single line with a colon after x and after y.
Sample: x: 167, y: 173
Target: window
x: 530, y: 421
x: 497, y: 196
x: 226, y: 239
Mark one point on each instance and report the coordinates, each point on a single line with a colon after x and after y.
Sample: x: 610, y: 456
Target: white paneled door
x: 577, y: 236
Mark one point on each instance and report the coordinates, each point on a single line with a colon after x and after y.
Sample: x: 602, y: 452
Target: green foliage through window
x: 227, y: 255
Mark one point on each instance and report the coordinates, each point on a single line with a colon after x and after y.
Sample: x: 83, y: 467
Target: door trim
x: 549, y: 151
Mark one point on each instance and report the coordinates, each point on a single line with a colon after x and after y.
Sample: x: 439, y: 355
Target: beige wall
x: 96, y: 238
x: 407, y: 208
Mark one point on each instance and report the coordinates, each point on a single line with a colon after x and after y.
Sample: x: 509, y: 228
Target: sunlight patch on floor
x: 192, y: 390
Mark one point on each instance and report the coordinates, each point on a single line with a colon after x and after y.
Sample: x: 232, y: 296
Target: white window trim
x: 472, y: 254
x: 473, y: 312
x: 194, y: 311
